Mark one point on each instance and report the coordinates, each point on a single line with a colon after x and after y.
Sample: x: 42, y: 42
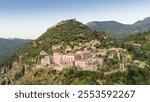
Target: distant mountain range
x: 9, y: 47
x: 119, y: 30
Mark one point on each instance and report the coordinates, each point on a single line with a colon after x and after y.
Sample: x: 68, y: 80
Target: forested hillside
x: 9, y: 47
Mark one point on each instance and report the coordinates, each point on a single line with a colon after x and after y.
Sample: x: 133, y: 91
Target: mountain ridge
x: 118, y: 30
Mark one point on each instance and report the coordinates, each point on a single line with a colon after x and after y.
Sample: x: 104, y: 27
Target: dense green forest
x: 138, y: 45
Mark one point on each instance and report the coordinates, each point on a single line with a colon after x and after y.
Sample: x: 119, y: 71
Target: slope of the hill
x: 68, y: 33
x: 139, y: 45
x: 9, y: 47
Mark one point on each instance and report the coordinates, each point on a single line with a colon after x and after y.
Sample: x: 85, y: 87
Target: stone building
x: 81, y: 59
x: 70, y: 57
x: 84, y: 54
x: 89, y: 63
x: 57, y: 57
x: 80, y: 63
x: 46, y: 61
x: 67, y: 64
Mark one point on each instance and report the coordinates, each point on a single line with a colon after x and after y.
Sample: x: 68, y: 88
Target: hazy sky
x: 31, y: 18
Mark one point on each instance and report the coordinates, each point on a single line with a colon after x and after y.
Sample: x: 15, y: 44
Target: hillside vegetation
x: 138, y: 45
x: 66, y: 33
x: 9, y: 47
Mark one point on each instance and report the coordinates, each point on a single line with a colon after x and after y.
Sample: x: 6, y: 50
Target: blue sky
x: 31, y: 18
